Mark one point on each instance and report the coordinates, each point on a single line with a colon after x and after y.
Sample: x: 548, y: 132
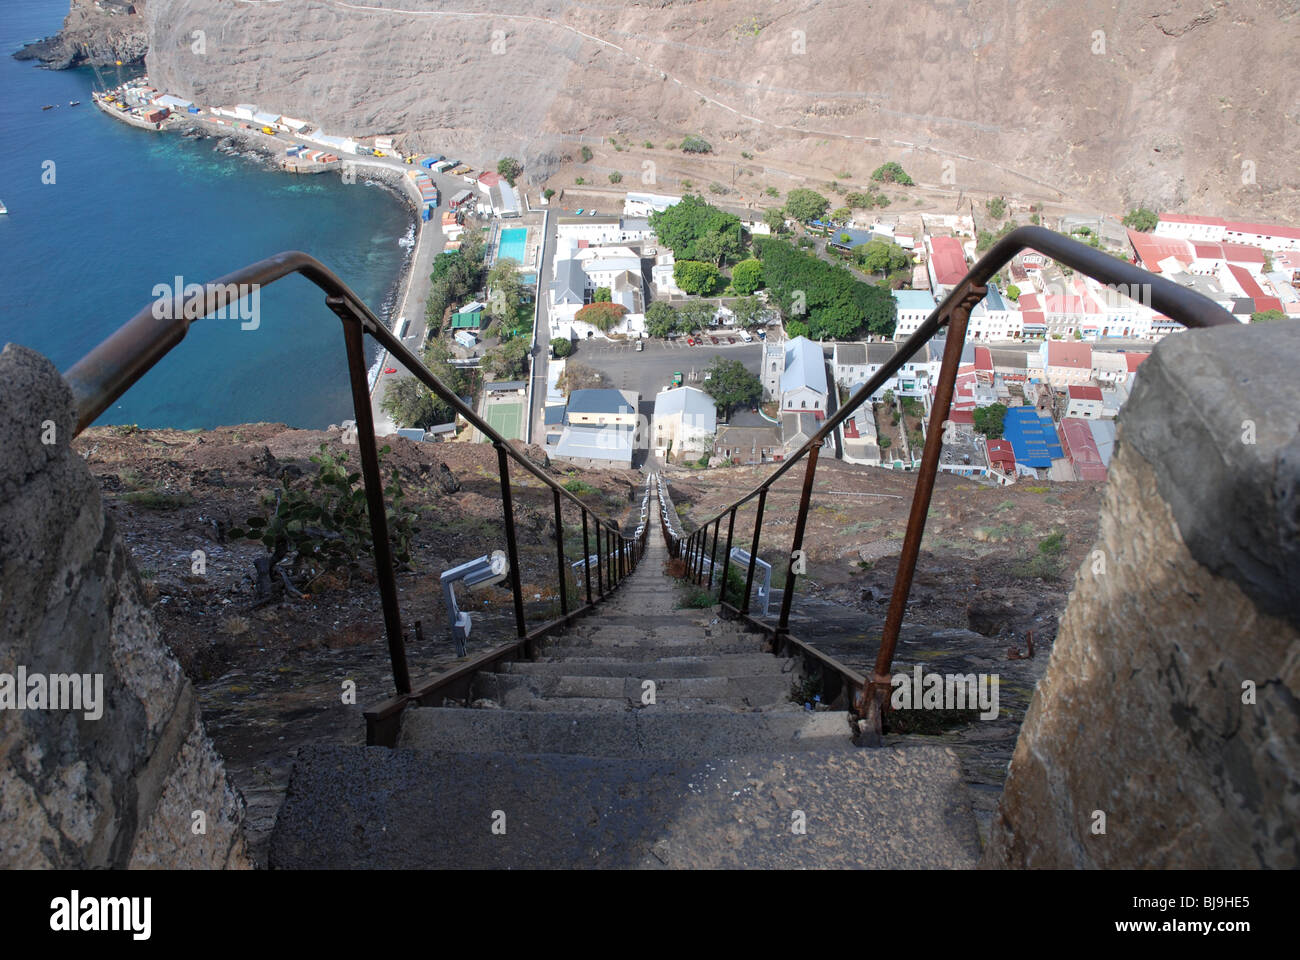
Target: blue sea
x: 129, y: 209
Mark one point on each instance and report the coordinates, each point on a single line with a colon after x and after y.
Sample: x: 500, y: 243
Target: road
x: 651, y: 370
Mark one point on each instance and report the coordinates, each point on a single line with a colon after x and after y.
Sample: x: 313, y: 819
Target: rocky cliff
x: 94, y: 34
x: 1080, y: 101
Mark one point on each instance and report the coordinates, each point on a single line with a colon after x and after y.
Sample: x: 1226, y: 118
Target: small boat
x: 3, y: 208
x: 48, y: 106
x: 74, y: 103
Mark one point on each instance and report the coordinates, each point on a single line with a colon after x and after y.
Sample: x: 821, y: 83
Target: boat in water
x: 74, y: 103
x: 49, y: 106
x: 3, y: 208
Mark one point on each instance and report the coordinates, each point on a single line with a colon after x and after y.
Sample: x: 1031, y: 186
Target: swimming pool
x: 512, y: 244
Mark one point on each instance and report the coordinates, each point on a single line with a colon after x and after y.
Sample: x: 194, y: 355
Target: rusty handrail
x: 111, y: 368
x: 1179, y: 303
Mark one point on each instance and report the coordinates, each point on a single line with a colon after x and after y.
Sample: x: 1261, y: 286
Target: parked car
x: 731, y: 339
x: 746, y: 336
x: 690, y: 341
x: 713, y: 340
x: 640, y: 345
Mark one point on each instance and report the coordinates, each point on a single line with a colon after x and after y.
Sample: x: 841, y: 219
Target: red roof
x: 1082, y: 392
x: 1070, y: 305
x: 1134, y: 360
x: 490, y: 179
x: 1076, y: 356
x: 1209, y: 251
x: 983, y: 359
x: 1151, y: 250
x: 1031, y: 317
x: 1028, y: 301
x: 1267, y: 303
x: 1002, y: 455
x: 1242, y: 253
x: 1263, y: 229
x: 1245, y: 281
x: 1187, y: 218
x: 961, y: 416
x: 949, y: 260
x: 1081, y: 449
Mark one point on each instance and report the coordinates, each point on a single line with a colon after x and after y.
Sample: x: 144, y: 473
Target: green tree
x: 603, y: 316
x: 616, y: 177
x: 437, y: 358
x: 660, y: 319
x: 695, y: 315
x: 696, y: 277
x: 1141, y: 219
x: 891, y: 172
x: 988, y: 420
x: 510, y: 168
x: 1013, y: 293
x: 505, y: 288
x: 718, y: 247
x: 731, y: 385
x: 747, y: 276
x: 586, y: 154
x: 411, y: 404
x: 681, y: 226
x: 748, y: 311
x: 561, y: 346
x: 840, y: 214
x: 693, y: 144
x: 774, y: 219
x: 997, y: 207
x: 829, y: 301
x: 796, y: 328
x: 984, y: 239
x: 1267, y: 316
x: 602, y: 295
x: 805, y: 205
x: 882, y: 256
x: 508, y: 360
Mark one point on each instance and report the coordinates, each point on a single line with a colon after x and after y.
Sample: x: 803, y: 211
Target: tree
x: 885, y: 443
x: 561, y: 347
x: 1013, y: 293
x: 731, y: 385
x: 602, y: 295
x: 506, y: 290
x: 841, y: 214
x: 696, y: 277
x: 748, y: 311
x: 984, y: 239
x: 693, y: 144
x: 411, y: 404
x: 695, y: 315
x: 1141, y: 219
x: 891, y: 172
x: 988, y: 420
x: 825, y: 299
x: 616, y: 177
x: 796, y: 328
x: 586, y: 154
x: 774, y: 219
x: 888, y: 397
x: 805, y: 205
x: 747, y: 276
x: 1267, y: 316
x: 508, y: 360
x: 510, y: 168
x: 660, y: 319
x: 437, y: 358
x: 578, y: 376
x: 603, y: 316
x: 692, y: 218
x: 882, y: 256
x: 997, y: 207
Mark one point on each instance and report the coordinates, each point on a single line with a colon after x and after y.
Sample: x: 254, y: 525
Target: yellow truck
x: 268, y: 131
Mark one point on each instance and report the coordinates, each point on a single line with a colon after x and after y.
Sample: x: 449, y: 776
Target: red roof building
x: 1084, y: 392
x: 1134, y: 360
x: 1151, y: 250
x: 490, y: 179
x: 947, y: 260
x: 1073, y: 356
x: 1081, y: 449
x: 1002, y: 457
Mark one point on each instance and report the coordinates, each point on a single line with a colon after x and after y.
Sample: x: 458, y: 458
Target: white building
x: 685, y: 421
x: 912, y: 308
x: 800, y: 382
x: 1085, y: 402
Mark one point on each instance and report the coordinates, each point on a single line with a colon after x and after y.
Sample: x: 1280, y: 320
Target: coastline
x: 251, y: 145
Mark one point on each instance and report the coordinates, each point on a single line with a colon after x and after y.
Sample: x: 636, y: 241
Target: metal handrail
x: 1179, y: 303
x: 99, y: 378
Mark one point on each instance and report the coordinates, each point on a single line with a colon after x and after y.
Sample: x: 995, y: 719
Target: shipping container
x: 428, y: 162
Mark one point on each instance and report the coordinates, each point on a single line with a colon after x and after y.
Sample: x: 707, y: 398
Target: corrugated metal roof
x: 596, y: 442
x: 599, y: 400
x: 805, y: 366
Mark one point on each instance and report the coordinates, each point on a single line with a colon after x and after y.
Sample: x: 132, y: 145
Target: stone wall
x: 1171, y: 704
x: 77, y: 790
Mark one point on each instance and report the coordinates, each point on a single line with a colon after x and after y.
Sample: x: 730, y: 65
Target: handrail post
x: 354, y: 338
x: 787, y: 592
x: 586, y: 555
x: 713, y: 555
x: 875, y: 690
x: 753, y: 550
x: 512, y: 547
x: 704, y: 538
x: 559, y: 555
x: 726, y: 555
x: 600, y: 571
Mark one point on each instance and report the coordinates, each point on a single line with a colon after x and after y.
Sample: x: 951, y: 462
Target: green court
x: 506, y: 419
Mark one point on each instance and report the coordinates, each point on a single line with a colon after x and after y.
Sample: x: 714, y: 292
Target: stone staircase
x: 648, y: 736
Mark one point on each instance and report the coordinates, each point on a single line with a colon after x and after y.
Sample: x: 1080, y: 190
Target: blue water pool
x: 512, y: 244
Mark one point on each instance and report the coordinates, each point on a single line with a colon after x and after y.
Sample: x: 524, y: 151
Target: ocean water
x: 129, y: 209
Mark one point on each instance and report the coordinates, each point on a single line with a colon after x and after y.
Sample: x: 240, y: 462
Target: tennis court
x: 506, y: 419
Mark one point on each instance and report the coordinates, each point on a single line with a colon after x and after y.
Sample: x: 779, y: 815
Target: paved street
x: 652, y: 369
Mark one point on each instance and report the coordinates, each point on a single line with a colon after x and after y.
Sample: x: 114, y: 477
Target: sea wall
x: 1166, y: 732
x: 122, y: 775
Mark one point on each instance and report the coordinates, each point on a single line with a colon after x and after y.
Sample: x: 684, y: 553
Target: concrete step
x: 641, y: 734
x: 724, y: 665
x: 647, y: 653
x: 523, y: 692
x: 372, y: 808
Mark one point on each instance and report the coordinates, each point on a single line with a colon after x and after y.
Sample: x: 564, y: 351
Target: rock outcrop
x: 99, y: 35
x: 1166, y: 732
x: 1096, y: 102
x: 125, y: 776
